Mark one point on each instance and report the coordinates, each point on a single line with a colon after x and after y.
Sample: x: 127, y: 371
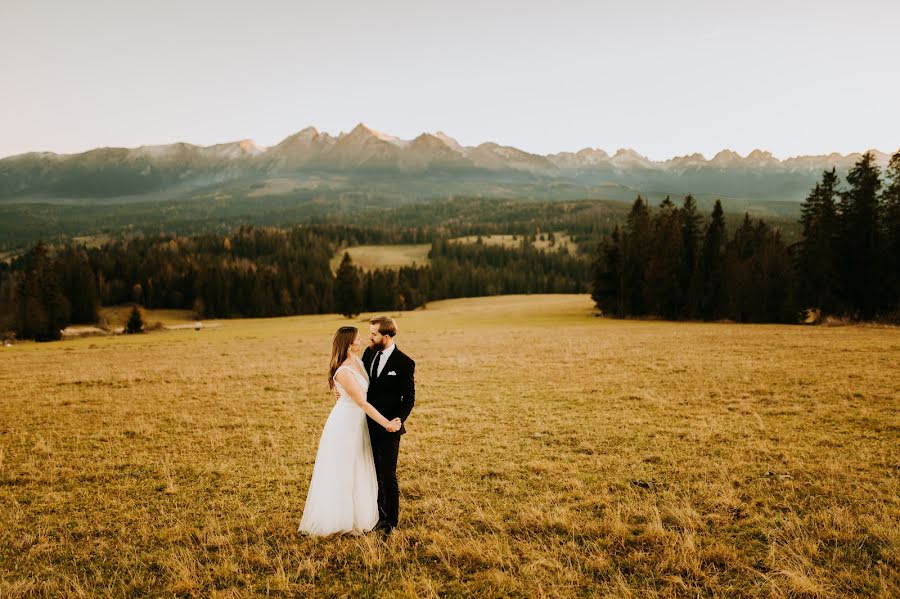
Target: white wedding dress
x: 343, y: 492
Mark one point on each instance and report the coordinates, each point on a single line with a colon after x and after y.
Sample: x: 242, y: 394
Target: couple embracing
x: 354, y: 481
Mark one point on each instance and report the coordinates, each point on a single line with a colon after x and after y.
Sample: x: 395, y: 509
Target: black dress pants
x: 385, y: 448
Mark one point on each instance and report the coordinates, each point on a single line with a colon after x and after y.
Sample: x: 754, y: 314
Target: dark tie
x: 374, y: 373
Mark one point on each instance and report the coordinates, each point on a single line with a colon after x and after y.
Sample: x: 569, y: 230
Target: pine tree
x: 8, y: 300
x: 710, y: 266
x: 348, y: 289
x: 78, y: 284
x: 739, y: 293
x: 860, y: 238
x: 43, y: 308
x: 816, y: 258
x: 135, y: 322
x: 636, y: 256
x: 691, y: 232
x: 890, y: 209
x: 663, y: 292
x: 607, y: 286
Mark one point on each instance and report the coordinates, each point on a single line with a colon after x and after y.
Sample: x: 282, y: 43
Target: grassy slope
x: 371, y: 257
x: 550, y: 453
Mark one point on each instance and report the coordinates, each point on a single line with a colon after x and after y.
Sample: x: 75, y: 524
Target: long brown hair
x: 340, y: 348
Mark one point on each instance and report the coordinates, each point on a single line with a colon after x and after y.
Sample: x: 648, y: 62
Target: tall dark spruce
x: 348, y: 288
x: 709, y: 287
x: 816, y: 256
x: 890, y: 210
x: 860, y: 239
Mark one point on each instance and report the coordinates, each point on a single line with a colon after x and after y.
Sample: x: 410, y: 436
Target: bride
x: 343, y: 492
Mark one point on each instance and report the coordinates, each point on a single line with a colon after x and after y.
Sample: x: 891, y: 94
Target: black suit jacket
x: 391, y: 394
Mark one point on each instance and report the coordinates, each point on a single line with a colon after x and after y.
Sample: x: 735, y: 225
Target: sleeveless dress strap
x: 352, y: 369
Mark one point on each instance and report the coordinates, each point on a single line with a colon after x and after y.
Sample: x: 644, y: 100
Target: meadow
x: 551, y: 453
x: 372, y: 257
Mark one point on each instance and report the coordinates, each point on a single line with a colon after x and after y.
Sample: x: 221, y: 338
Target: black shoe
x: 382, y: 525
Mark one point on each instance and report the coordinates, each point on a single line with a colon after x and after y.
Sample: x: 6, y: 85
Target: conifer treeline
x: 668, y: 264
x: 262, y: 272
x: 40, y: 295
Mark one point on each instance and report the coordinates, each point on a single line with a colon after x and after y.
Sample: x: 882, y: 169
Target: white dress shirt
x: 385, y: 354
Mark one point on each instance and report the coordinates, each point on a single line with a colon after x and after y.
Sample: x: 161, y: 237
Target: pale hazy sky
x: 665, y: 78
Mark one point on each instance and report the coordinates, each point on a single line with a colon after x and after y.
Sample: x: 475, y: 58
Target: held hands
x: 394, y: 425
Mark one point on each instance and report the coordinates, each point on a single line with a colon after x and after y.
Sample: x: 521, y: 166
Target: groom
x: 392, y: 391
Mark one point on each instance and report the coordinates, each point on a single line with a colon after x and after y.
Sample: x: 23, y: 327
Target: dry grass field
x: 372, y: 257
x: 550, y: 453
x: 92, y: 241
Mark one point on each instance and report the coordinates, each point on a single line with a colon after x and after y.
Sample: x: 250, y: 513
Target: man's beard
x: 378, y: 346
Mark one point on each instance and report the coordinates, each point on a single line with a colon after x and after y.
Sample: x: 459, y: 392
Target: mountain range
x: 430, y: 164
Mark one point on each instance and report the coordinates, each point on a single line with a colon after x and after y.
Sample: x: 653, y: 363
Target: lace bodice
x: 361, y: 378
